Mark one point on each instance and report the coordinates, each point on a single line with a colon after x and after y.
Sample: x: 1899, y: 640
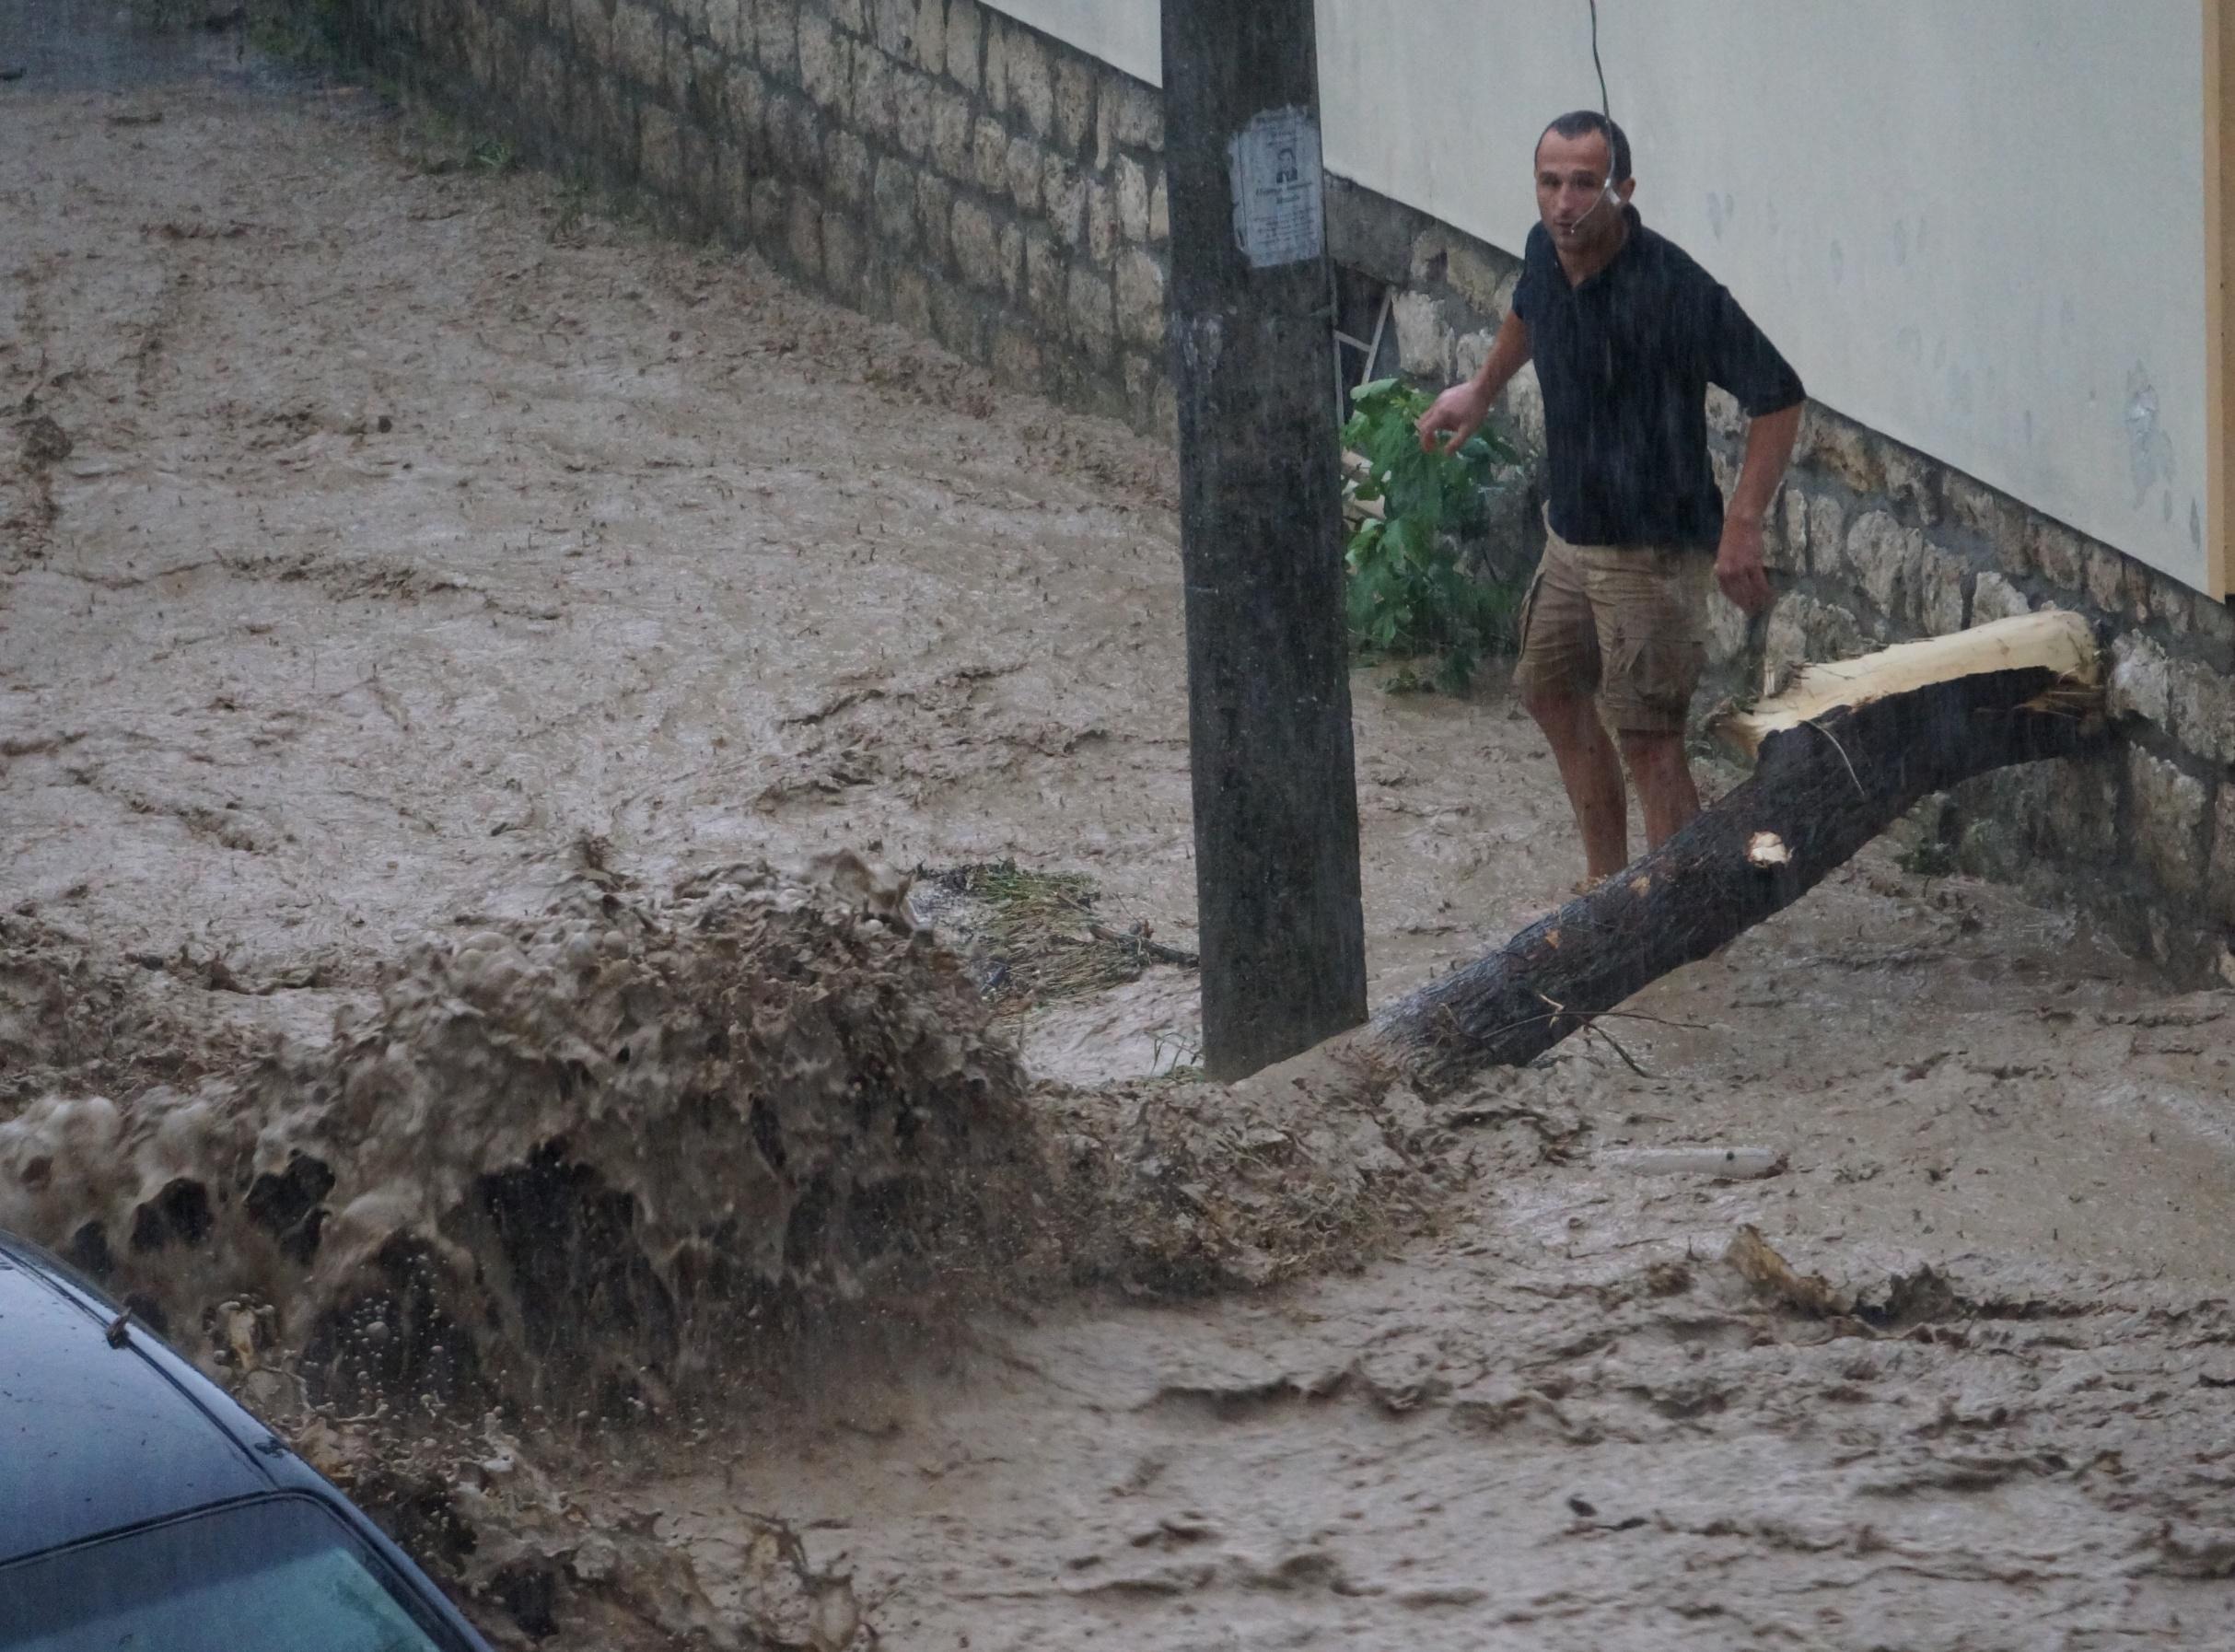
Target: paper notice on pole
x: 1279, y: 215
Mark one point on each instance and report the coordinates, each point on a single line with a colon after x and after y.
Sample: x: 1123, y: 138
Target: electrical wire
x: 1604, y: 106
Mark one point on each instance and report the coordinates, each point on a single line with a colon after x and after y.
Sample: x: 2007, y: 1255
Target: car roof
x: 95, y: 1435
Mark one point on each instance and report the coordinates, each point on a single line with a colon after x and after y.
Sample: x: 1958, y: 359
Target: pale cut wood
x: 2050, y: 640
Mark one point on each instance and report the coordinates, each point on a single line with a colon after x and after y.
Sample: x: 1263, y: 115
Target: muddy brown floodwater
x: 377, y: 530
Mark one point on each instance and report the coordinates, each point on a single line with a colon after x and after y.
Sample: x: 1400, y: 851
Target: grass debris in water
x: 1035, y: 937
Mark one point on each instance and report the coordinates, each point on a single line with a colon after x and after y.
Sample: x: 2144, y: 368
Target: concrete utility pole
x: 1277, y: 807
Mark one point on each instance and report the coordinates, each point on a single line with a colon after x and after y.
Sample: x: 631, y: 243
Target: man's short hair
x: 1577, y: 123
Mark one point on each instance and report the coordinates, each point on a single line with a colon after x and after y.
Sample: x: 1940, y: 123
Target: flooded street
x: 386, y: 534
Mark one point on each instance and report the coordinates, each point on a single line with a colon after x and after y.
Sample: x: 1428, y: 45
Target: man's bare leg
x: 1665, y: 791
x: 1592, y: 774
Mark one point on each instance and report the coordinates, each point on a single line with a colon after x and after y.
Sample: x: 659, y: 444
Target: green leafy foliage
x: 1407, y: 595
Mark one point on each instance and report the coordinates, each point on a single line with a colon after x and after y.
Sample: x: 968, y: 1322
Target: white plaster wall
x: 1128, y: 33
x: 1973, y: 225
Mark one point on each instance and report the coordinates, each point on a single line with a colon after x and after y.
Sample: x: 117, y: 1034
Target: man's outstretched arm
x: 1459, y: 413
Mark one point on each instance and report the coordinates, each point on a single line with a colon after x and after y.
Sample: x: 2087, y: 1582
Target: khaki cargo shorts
x: 1628, y: 624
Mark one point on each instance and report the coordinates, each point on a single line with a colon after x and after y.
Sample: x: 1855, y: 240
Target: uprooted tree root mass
x: 599, y: 1158
x: 606, y: 1163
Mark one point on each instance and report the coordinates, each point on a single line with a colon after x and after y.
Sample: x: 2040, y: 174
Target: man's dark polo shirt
x: 1626, y: 359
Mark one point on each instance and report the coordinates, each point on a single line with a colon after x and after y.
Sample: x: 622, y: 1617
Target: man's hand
x: 1738, y: 564
x: 1456, y: 416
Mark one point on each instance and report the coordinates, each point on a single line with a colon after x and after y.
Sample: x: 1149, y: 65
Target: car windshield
x: 277, y: 1575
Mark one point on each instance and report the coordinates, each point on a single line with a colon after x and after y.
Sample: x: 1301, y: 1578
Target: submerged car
x: 141, y: 1507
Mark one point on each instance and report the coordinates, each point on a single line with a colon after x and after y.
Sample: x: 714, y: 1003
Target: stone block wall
x: 935, y: 163
x: 929, y: 162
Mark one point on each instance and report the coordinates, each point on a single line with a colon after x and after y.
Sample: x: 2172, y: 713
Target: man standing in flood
x: 1626, y: 332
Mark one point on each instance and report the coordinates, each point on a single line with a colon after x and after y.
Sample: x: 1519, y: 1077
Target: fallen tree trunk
x: 1843, y: 750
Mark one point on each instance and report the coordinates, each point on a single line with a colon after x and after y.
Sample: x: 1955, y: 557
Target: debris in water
x: 1035, y: 937
x: 1203, y: 1186
x: 1760, y: 1265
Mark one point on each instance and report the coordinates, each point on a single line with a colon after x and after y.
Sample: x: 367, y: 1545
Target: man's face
x: 1571, y: 180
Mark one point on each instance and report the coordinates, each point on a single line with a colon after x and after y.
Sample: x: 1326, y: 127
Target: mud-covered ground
x: 377, y: 529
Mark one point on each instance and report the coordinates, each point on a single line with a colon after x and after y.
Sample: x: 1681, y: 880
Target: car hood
x: 94, y: 1437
